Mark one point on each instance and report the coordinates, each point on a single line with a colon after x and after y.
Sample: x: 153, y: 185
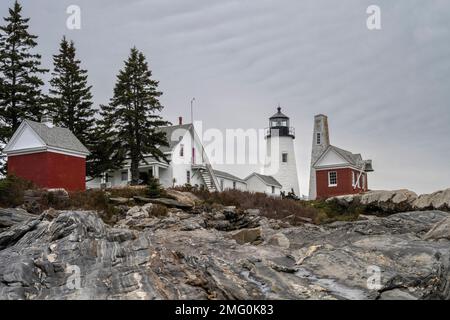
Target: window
x: 332, y: 179
x: 318, y: 138
x: 363, y: 177
x: 188, y: 176
x: 284, y: 123
x: 221, y: 184
x: 234, y: 184
x: 181, y: 150
x: 273, y: 189
x: 284, y: 157
x: 124, y: 175
x: 353, y: 179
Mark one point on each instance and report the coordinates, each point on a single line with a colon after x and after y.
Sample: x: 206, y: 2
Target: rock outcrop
x: 191, y: 255
x: 389, y: 202
x: 439, y: 200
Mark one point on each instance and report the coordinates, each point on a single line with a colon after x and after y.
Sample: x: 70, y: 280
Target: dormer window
x: 318, y: 138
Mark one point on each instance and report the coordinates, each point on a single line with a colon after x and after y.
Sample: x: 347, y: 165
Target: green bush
x: 12, y: 190
x: 154, y: 189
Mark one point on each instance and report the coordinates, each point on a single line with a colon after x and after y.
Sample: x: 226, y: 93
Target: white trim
x: 329, y: 179
x: 44, y: 149
x: 327, y: 150
x: 341, y: 166
x: 17, y: 135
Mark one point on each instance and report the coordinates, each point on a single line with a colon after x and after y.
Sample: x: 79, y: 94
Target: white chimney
x: 47, y: 119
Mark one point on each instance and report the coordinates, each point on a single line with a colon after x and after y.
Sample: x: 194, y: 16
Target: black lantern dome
x: 279, y: 125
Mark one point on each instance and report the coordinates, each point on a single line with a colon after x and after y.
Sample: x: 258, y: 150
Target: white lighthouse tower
x: 281, y: 161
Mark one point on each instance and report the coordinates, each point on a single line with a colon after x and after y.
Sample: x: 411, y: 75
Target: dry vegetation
x: 12, y: 190
x: 294, y: 211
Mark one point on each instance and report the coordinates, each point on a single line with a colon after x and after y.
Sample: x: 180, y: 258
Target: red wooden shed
x: 51, y: 157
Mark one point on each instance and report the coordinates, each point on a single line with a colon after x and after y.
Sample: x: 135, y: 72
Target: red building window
x: 332, y: 179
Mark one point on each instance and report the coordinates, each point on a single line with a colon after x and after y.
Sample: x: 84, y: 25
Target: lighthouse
x: 280, y: 159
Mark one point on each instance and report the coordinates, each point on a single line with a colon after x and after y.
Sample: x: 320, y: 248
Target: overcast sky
x: 386, y: 92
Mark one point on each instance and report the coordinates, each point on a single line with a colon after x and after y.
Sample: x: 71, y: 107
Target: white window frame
x: 329, y: 179
x: 122, y: 173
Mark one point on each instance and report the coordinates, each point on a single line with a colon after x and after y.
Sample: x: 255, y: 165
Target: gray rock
x: 171, y: 203
x: 180, y: 256
x: 439, y: 200
x: 10, y: 217
x: 246, y: 235
x: 440, y: 230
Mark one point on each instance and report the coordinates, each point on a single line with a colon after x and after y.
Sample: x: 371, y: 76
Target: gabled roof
x: 227, y: 175
x: 268, y: 180
x: 353, y: 159
x: 169, y: 130
x: 54, y: 137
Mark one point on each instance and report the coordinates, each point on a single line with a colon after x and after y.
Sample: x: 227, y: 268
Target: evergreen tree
x: 70, y: 96
x: 106, y: 151
x: 133, y: 113
x: 20, y: 84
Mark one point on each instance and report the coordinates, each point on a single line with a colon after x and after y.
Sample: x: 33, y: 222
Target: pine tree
x: 70, y: 96
x: 106, y: 151
x: 133, y: 113
x: 20, y: 94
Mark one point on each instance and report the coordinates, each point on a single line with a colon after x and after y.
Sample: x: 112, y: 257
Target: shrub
x: 12, y: 190
x: 154, y: 188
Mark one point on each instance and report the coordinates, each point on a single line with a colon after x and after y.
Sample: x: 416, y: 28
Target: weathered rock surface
x: 438, y: 200
x: 389, y: 202
x: 171, y: 203
x: 186, y: 256
x: 186, y: 198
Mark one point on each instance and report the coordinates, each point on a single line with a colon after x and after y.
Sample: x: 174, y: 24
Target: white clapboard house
x: 190, y: 165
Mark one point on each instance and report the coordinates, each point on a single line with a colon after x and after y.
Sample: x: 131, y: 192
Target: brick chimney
x: 180, y: 120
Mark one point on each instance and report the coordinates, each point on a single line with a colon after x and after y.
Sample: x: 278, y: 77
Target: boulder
x: 439, y: 200
x: 440, y: 230
x: 186, y: 198
x: 279, y: 240
x: 389, y: 201
x: 246, y: 235
x: 10, y: 217
x: 171, y: 203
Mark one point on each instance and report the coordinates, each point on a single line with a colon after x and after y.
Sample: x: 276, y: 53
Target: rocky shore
x: 223, y: 253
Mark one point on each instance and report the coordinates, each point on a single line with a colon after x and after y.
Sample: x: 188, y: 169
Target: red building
x: 334, y: 171
x: 51, y: 157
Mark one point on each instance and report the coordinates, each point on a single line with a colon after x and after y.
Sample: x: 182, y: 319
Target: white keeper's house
x: 190, y: 165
